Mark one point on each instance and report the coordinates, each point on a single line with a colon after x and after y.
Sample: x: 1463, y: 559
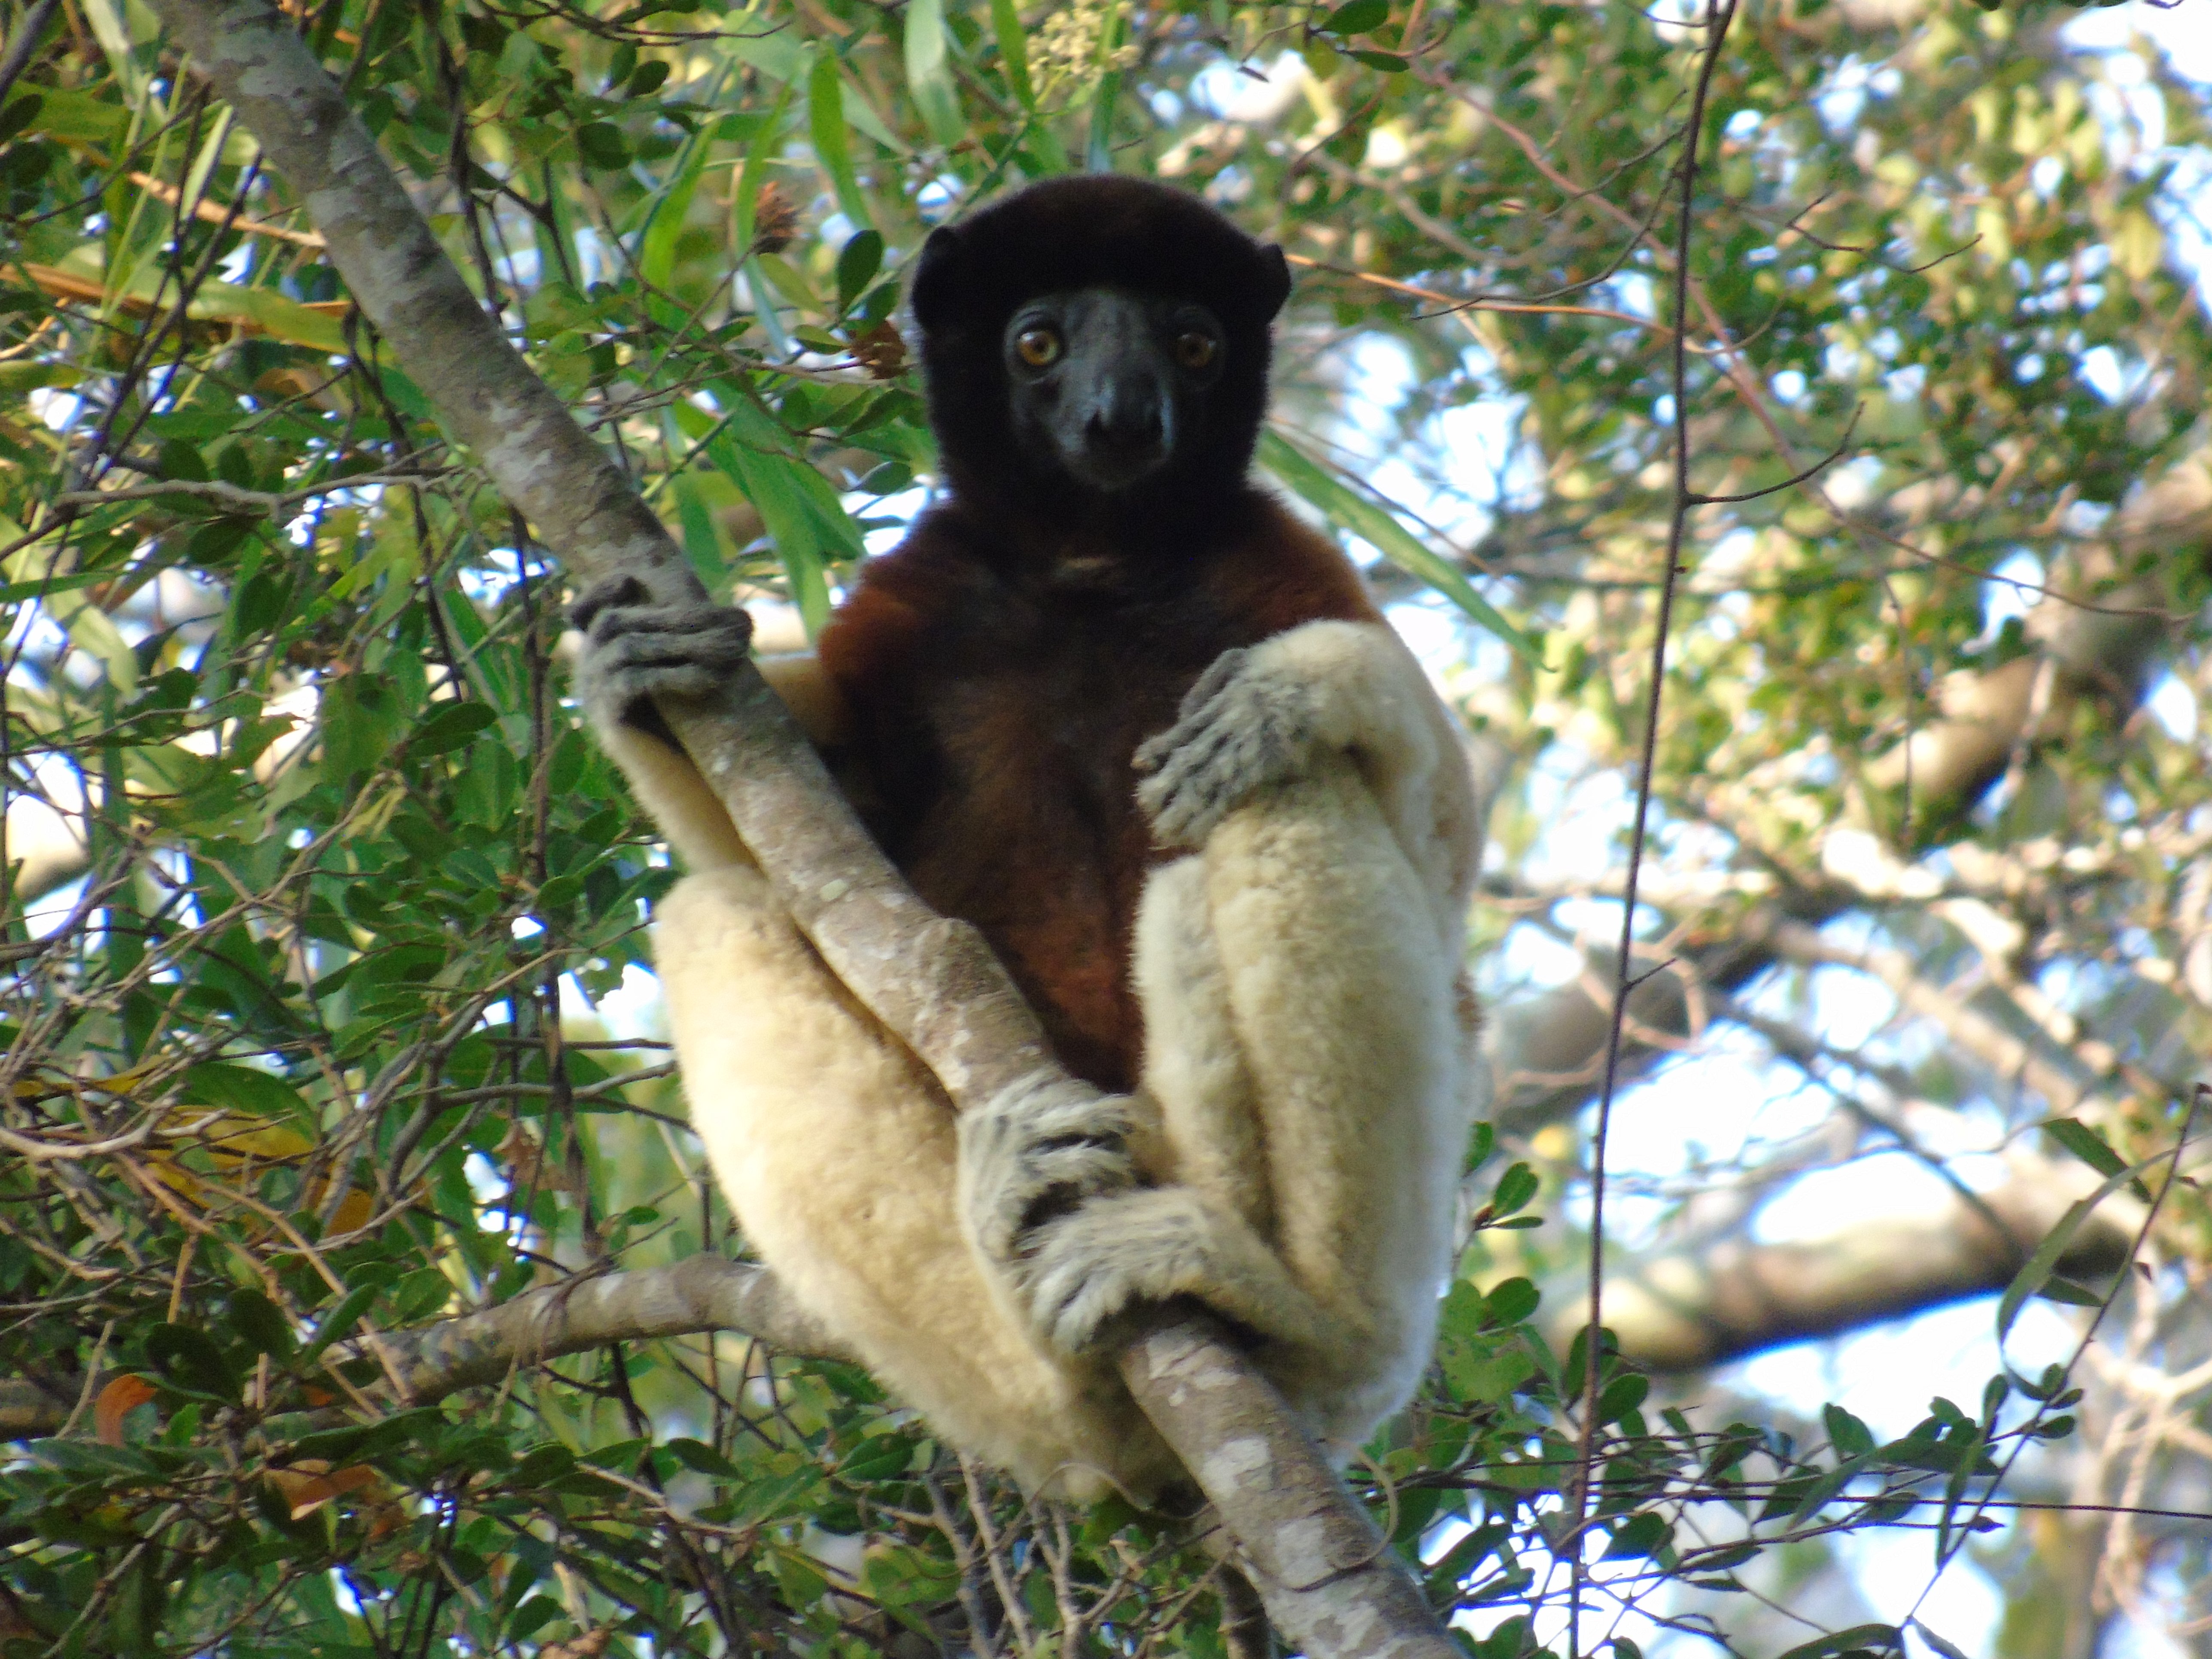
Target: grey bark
x: 1685, y: 1309
x: 933, y: 981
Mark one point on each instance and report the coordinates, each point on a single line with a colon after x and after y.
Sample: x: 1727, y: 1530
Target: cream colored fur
x: 1303, y: 1094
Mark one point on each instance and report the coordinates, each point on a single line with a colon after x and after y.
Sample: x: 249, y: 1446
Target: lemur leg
x: 838, y: 1155
x: 1303, y: 1045
x: 836, y: 1149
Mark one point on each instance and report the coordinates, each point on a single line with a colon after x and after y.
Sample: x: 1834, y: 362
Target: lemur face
x: 1108, y: 385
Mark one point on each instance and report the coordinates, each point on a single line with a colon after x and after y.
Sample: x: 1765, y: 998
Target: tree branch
x: 700, y: 1294
x: 932, y: 981
x: 1685, y: 1310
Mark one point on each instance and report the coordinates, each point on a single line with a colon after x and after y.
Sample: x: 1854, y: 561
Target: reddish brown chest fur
x: 997, y: 706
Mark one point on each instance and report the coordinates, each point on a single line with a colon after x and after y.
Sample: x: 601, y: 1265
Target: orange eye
x: 1039, y: 347
x: 1195, y: 349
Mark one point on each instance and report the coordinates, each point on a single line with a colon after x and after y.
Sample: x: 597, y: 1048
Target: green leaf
x: 189, y: 1359
x: 261, y: 1322
x: 1389, y: 62
x: 1013, y: 52
x: 702, y: 1459
x: 2037, y: 1270
x: 1480, y: 1145
x: 338, y: 1323
x: 1621, y: 1396
x: 1644, y: 1534
x: 1850, y: 1437
x: 2073, y: 1295
x: 245, y: 1088
x: 670, y: 206
x: 601, y: 145
x: 1858, y: 1635
x: 454, y: 725
x: 1356, y: 17
x: 2090, y: 1145
x: 1514, y: 1189
x: 825, y: 125
x: 929, y: 72
x: 1373, y: 523
x: 879, y: 1457
x: 1511, y: 1301
x: 18, y: 115
x: 858, y: 261
x: 1949, y: 1650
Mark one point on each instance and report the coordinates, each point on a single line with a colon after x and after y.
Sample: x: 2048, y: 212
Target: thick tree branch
x: 1685, y: 1310
x: 930, y: 981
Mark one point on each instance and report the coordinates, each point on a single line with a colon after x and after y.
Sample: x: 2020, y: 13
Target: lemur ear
x: 937, y: 277
x: 1275, y: 286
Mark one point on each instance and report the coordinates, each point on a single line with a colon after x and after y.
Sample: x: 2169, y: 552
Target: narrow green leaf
x: 929, y: 72
x: 1949, y: 1650
x: 2090, y: 1145
x: 670, y: 206
x: 2037, y: 1270
x: 338, y: 1322
x: 2073, y: 1295
x: 1013, y: 52
x: 1877, y: 1636
x: 1373, y: 523
x: 825, y: 125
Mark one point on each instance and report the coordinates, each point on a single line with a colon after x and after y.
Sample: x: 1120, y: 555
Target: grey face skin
x: 1108, y: 385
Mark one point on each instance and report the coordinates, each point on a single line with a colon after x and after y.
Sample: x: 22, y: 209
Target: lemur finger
x: 1224, y: 669
x: 1249, y: 735
x: 637, y: 652
x: 612, y: 590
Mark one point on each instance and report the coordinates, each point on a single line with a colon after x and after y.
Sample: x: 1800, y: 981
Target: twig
x: 235, y: 497
x: 1717, y: 18
x: 25, y: 43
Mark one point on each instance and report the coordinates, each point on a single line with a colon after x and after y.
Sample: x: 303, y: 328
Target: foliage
x: 325, y: 927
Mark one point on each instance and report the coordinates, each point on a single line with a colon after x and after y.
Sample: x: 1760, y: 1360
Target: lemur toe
x: 1114, y: 1255
x: 1037, y: 1153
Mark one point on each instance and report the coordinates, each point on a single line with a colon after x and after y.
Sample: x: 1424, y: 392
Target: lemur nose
x: 1129, y: 419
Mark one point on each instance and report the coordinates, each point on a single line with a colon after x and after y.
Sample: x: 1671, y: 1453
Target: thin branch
x: 700, y: 1294
x: 1716, y: 27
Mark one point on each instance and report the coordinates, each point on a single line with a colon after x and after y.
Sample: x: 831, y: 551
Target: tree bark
x: 1687, y: 1310
x: 933, y: 981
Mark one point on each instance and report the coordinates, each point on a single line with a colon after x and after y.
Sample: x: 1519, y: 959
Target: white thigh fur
x: 1305, y: 1052
x: 836, y: 1153
x: 1304, y: 1045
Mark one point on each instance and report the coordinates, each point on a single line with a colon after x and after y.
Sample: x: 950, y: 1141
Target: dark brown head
x: 1096, y: 351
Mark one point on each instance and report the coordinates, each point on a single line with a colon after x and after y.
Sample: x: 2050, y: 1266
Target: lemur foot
x: 1033, y: 1155
x: 635, y: 650
x: 1115, y: 1254
x: 1240, y: 731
